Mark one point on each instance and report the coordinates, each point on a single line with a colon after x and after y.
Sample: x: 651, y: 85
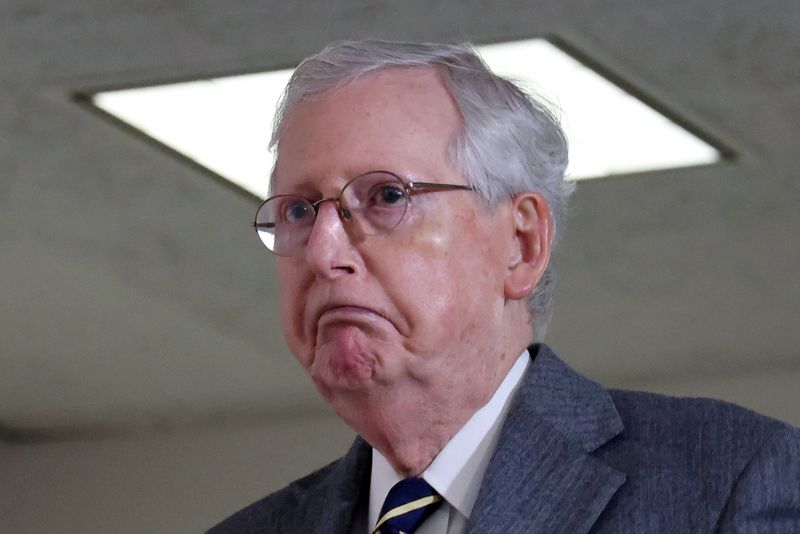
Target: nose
x: 341, y: 208
x: 329, y: 251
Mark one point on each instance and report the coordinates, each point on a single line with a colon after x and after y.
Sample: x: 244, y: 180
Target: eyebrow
x: 304, y: 186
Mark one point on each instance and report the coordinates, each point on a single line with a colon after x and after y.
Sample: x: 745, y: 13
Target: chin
x: 335, y: 371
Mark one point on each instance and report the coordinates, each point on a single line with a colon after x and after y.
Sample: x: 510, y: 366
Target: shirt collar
x: 458, y: 469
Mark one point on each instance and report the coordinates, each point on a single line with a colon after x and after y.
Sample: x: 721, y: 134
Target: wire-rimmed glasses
x: 373, y: 203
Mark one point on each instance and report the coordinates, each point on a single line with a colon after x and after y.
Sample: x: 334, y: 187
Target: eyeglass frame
x: 411, y: 188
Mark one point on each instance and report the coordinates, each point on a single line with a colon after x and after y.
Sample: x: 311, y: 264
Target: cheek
x: 292, y: 306
x: 431, y: 238
x: 453, y: 276
x: 461, y: 250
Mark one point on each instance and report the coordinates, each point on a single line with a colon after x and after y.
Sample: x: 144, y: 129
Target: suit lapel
x: 542, y: 477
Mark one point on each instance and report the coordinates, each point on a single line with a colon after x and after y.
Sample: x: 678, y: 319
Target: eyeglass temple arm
x: 430, y: 185
x: 263, y: 225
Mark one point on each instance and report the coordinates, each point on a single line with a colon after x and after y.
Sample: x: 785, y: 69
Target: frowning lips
x: 346, y: 310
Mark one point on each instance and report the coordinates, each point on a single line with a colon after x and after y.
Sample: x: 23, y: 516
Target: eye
x: 387, y: 195
x: 296, y: 210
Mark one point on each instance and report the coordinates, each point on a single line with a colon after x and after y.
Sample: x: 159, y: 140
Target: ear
x: 533, y: 236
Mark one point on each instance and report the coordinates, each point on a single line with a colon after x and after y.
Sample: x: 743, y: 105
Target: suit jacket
x: 576, y: 458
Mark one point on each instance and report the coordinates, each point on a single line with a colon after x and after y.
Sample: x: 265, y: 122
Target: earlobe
x: 532, y: 240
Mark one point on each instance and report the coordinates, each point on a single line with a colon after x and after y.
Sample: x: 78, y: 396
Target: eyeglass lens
x: 375, y: 203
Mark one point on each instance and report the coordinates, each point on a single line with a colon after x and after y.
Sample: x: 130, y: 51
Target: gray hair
x: 510, y: 142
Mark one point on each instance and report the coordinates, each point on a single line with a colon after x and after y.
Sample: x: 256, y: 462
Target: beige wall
x: 166, y: 483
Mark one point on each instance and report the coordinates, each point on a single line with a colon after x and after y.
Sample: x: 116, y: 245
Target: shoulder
x: 694, y: 435
x: 714, y: 457
x: 712, y: 427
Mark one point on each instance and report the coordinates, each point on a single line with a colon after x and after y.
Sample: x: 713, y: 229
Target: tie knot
x: 407, y: 505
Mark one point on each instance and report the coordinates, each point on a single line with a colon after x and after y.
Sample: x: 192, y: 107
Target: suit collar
x: 541, y: 477
x: 580, y: 409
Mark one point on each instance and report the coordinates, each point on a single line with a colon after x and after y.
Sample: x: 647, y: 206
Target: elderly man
x: 417, y: 200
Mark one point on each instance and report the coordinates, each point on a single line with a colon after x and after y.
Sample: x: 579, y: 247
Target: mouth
x: 347, y: 313
x: 341, y: 314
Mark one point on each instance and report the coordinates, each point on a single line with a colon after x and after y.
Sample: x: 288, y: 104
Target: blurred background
x: 144, y: 384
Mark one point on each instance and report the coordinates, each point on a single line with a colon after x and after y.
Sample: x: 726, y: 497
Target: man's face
x: 411, y: 317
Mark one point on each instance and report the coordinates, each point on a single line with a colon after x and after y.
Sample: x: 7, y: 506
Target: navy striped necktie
x: 407, y: 505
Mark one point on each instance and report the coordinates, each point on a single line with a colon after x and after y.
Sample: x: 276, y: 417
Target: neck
x: 416, y: 440
x: 410, y: 423
x: 411, y: 457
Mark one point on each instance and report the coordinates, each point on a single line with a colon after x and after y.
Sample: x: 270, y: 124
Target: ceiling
x: 134, y: 297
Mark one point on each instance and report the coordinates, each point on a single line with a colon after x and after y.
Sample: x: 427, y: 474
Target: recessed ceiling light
x: 224, y: 124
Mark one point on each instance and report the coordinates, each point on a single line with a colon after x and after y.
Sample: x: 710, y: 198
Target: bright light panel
x: 224, y: 123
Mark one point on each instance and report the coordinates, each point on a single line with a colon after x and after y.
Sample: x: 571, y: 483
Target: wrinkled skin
x: 407, y: 334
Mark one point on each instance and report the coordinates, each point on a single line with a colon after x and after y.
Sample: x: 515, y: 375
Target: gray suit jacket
x: 576, y: 458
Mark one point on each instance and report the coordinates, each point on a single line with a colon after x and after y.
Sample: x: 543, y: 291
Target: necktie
x: 407, y: 505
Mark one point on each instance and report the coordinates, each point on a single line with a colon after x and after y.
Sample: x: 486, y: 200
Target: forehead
x: 397, y: 119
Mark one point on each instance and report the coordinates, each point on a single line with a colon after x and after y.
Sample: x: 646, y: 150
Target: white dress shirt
x: 457, y: 471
